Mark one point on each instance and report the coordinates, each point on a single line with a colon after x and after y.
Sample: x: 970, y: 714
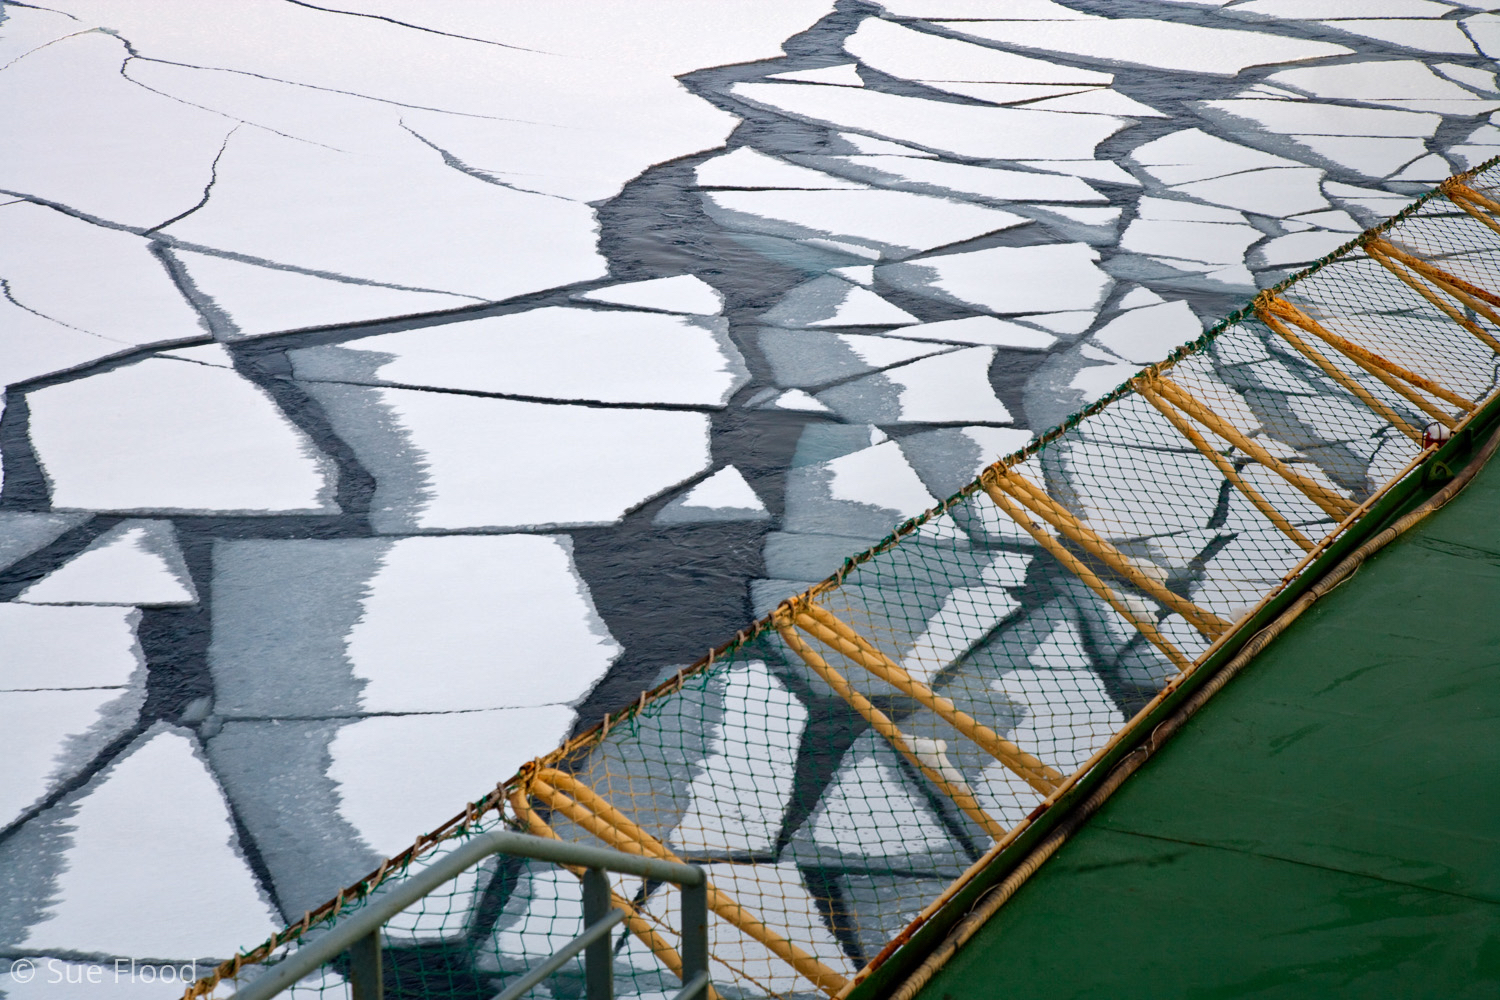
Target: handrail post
x: 598, y: 965
x: 358, y: 933
x: 694, y: 931
x: 365, y: 978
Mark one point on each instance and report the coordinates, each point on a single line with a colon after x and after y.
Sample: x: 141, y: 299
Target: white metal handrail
x: 359, y: 934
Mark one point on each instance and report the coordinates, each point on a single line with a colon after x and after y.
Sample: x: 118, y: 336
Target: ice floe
x: 1149, y: 333
x: 134, y: 563
x: 169, y: 435
x: 258, y: 300
x: 30, y: 28
x: 815, y: 358
x: 882, y: 147
x: 1285, y: 191
x: 91, y: 278
x: 1201, y: 244
x: 472, y: 462
x: 391, y: 768
x: 796, y: 399
x: 1484, y: 29
x: 1405, y: 84
x: 919, y: 55
x: 1476, y: 79
x: 830, y: 301
x: 1165, y: 45
x: 1045, y: 278
x: 102, y: 905
x: 1006, y: 93
x: 1430, y: 168
x: 741, y: 793
x: 860, y: 274
x: 574, y: 103
x: 747, y: 167
x: 1313, y: 118
x: 1099, y: 102
x: 1335, y: 220
x: 37, y: 731
x: 1311, y: 10
x: 477, y: 168
x: 1018, y: 10
x: 879, y: 476
x: 982, y: 330
x: 967, y: 130
x: 1423, y: 36
x: 1191, y: 154
x: 1298, y: 248
x: 32, y: 345
x: 458, y: 622
x: 1104, y: 171
x: 1137, y: 297
x: 1064, y: 321
x: 1095, y: 381
x: 966, y: 179
x: 556, y: 352
x: 882, y: 352
x: 843, y: 75
x: 684, y: 293
x: 1373, y: 157
x: 436, y: 229
x: 723, y: 496
x: 160, y: 151
x: 950, y: 388
x: 213, y: 355
x: 63, y: 648
x: 891, y: 222
x: 1374, y: 204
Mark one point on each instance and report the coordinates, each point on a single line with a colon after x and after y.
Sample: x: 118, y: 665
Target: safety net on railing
x: 843, y: 764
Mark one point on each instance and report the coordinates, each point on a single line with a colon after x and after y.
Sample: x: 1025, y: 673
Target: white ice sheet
x: 172, y: 435
x: 463, y: 622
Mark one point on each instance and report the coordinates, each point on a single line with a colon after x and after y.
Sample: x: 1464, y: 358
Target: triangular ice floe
x: 158, y: 807
x: 796, y: 399
x: 881, y: 352
x: 1137, y: 297
x: 860, y: 274
x: 725, y: 488
x: 135, y: 562
x: 839, y: 76
x: 750, y: 168
x: 870, y: 144
x: 862, y: 307
x: 685, y: 293
x: 832, y: 301
x: 723, y: 496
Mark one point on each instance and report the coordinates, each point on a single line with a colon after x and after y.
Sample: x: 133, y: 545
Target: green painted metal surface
x: 1328, y: 825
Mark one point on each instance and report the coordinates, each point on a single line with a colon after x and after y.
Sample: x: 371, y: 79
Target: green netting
x: 844, y: 761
